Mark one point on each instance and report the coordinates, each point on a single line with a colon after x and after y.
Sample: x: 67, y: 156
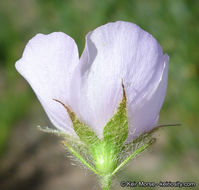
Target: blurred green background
x: 175, y: 23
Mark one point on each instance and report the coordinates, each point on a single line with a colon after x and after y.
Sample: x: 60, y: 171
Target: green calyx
x: 105, y: 152
x: 106, y: 156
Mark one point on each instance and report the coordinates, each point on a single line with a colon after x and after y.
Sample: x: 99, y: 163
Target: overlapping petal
x: 48, y: 64
x: 144, y: 111
x: 113, y: 52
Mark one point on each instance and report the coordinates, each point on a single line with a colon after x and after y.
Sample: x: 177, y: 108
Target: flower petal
x: 113, y: 52
x: 144, y: 111
x: 48, y: 63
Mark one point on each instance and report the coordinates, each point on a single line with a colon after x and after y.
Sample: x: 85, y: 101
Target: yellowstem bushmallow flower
x: 104, y: 101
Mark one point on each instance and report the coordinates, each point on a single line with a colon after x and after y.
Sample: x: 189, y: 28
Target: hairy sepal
x: 107, y: 153
x: 116, y: 130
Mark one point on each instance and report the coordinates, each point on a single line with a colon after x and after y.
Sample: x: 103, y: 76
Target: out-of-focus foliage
x: 174, y: 23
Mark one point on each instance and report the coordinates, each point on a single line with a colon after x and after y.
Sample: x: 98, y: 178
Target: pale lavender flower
x: 91, y: 85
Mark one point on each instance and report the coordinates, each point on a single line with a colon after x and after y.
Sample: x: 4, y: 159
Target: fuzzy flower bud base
x: 105, y: 157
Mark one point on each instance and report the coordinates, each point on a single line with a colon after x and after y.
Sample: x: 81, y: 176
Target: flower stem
x: 106, y: 182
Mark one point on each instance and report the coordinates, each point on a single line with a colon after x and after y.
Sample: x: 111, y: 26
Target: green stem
x: 75, y: 153
x: 106, y: 182
x: 139, y: 150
